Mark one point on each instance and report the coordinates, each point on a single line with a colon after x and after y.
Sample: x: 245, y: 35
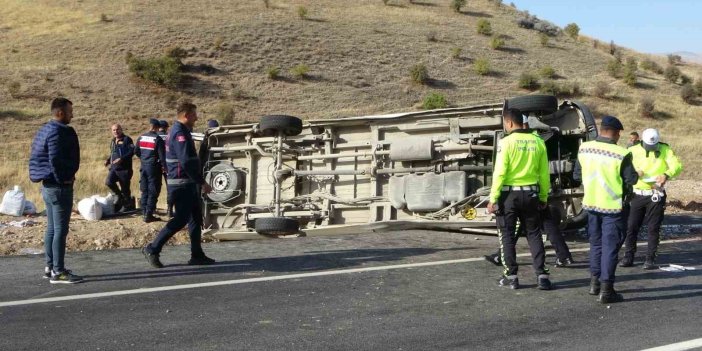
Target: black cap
x: 154, y: 122
x: 212, y: 123
x: 163, y: 124
x: 612, y: 122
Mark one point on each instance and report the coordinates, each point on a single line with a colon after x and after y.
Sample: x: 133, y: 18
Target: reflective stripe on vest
x: 601, y: 167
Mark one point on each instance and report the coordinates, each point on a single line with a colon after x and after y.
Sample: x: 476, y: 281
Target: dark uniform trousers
x: 522, y: 206
x: 606, y: 232
x: 150, y: 186
x: 642, y: 208
x: 188, y: 210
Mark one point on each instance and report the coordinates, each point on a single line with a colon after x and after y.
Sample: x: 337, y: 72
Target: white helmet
x: 650, y: 137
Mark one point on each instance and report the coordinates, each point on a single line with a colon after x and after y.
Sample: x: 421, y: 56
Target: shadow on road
x: 316, y: 261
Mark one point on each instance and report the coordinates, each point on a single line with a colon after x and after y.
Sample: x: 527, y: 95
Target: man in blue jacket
x: 151, y: 150
x: 54, y: 161
x: 163, y: 133
x: 120, y: 164
x: 185, y: 179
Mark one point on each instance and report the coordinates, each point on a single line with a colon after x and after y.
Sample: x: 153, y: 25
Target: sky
x: 650, y: 26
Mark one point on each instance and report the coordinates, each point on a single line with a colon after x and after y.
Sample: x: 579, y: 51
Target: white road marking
x: 271, y: 278
x: 685, y: 345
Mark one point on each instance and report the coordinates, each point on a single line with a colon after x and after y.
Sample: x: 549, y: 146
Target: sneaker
x: 153, y: 259
x: 543, y: 283
x: 563, y: 263
x: 512, y: 283
x: 47, y: 273
x: 494, y: 259
x: 200, y: 261
x: 65, y: 277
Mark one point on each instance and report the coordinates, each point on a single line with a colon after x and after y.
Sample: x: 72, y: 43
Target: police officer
x: 184, y: 180
x: 606, y: 172
x: 120, y: 165
x: 151, y: 150
x: 163, y: 133
x: 519, y: 190
x: 655, y: 162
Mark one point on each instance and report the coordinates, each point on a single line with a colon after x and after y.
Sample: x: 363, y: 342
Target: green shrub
x: 528, y: 81
x: 225, y: 113
x: 165, y: 70
x: 14, y: 89
x: 698, y: 86
x: 497, y: 43
x: 688, y: 93
x: 481, y: 66
x: 431, y: 36
x: 267, y: 3
x: 484, y: 27
x: 457, y: 4
x: 570, y: 89
x: 104, y: 18
x: 685, y: 79
x: 302, y: 12
x: 300, y: 71
x: 175, y: 52
x: 601, y: 89
x: 672, y: 74
x: 218, y: 42
x: 674, y: 59
x: 419, y: 73
x: 549, y: 87
x: 614, y: 68
x: 650, y: 65
x: 547, y: 72
x: 632, y: 64
x: 573, y: 30
x: 612, y: 48
x: 629, y: 76
x: 646, y: 107
x: 273, y: 72
x: 456, y: 53
x: 434, y: 101
x: 543, y: 37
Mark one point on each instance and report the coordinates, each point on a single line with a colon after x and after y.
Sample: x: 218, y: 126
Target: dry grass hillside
x: 359, y: 55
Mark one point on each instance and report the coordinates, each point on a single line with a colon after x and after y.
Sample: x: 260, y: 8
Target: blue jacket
x: 122, y: 148
x: 151, y: 149
x: 55, y: 154
x: 181, y: 158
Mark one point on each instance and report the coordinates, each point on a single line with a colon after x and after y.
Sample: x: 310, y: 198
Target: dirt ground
x: 132, y: 232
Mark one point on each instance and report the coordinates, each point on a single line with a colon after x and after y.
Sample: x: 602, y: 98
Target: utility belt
x: 656, y: 195
x: 520, y: 188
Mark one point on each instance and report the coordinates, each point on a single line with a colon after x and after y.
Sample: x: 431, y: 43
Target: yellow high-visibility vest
x: 601, y: 165
x: 521, y: 160
x: 651, y: 166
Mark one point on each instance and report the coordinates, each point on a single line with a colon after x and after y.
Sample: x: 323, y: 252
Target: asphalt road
x: 448, y: 306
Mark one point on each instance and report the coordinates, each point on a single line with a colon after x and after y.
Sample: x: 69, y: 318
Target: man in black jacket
x: 54, y: 161
x: 151, y: 150
x: 120, y: 164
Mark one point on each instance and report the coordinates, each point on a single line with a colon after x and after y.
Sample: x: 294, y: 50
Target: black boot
x: 650, y: 263
x: 608, y: 294
x: 130, y: 204
x: 627, y: 261
x: 594, y: 285
x: 148, y: 218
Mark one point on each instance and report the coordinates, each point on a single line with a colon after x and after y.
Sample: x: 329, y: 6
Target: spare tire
x: 539, y: 104
x: 289, y: 125
x: 276, y: 226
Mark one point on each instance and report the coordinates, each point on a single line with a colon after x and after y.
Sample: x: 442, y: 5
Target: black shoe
x: 47, y: 273
x: 494, y: 259
x: 563, y: 263
x: 200, y: 261
x: 595, y: 285
x: 649, y: 264
x: 65, y: 277
x: 512, y: 283
x: 627, y: 261
x: 609, y: 295
x: 151, y: 218
x: 153, y: 259
x: 543, y: 283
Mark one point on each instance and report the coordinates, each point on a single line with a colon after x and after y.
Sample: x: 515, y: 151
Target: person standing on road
x: 606, y: 173
x: 184, y: 180
x: 54, y: 161
x: 655, y: 163
x: 151, y: 150
x: 120, y: 164
x: 633, y: 139
x: 520, y: 187
x: 163, y: 134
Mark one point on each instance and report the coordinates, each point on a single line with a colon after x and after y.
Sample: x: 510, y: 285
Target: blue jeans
x: 606, y: 232
x: 59, y: 202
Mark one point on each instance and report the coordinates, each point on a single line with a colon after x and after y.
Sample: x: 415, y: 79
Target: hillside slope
x: 359, y: 54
